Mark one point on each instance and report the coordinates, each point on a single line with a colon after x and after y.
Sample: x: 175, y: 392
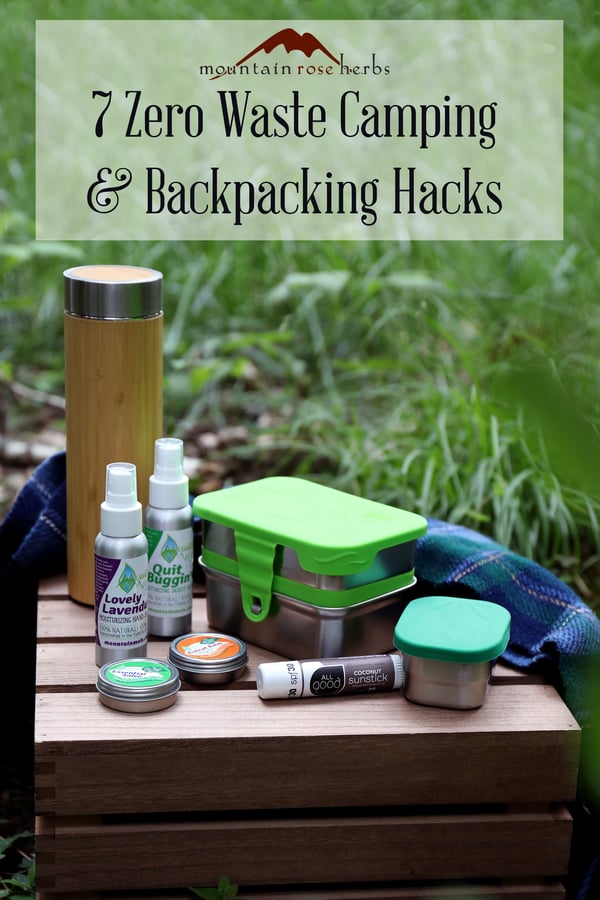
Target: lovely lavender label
x: 317, y: 130
x: 121, y: 602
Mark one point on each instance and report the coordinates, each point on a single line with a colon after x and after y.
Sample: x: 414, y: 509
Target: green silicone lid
x: 455, y: 629
x: 332, y: 532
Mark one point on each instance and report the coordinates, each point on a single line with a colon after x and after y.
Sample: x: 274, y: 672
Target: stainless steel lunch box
x: 305, y: 570
x: 300, y: 630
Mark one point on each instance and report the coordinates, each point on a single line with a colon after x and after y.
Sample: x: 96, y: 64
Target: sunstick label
x: 121, y: 602
x: 170, y: 563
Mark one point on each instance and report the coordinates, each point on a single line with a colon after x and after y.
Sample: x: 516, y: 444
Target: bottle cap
x: 113, y: 292
x: 121, y: 512
x: 169, y: 487
x: 278, y: 680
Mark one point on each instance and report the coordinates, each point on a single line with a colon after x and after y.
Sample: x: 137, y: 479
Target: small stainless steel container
x: 449, y: 646
x: 138, y: 685
x: 306, y: 570
x: 208, y: 658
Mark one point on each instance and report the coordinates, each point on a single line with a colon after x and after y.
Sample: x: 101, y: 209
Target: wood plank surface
x: 61, y: 620
x: 539, y: 890
x: 287, y: 797
x: 365, y: 849
x: 71, y: 667
x: 521, y: 746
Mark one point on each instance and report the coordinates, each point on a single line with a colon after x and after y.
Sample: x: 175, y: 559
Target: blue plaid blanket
x: 552, y: 629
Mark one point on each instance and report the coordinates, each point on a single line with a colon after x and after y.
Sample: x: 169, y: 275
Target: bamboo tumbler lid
x: 113, y: 391
x: 113, y: 292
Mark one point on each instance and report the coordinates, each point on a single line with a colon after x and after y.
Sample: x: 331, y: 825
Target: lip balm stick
x: 293, y: 679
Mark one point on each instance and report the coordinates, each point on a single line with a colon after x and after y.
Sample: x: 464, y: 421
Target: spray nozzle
x: 121, y: 485
x: 168, y: 460
x: 168, y: 484
x: 121, y: 513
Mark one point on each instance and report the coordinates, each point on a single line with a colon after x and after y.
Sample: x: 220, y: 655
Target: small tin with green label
x: 449, y: 646
x: 303, y: 569
x: 138, y: 685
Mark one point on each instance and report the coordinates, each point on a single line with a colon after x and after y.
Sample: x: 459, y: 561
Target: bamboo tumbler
x: 113, y: 390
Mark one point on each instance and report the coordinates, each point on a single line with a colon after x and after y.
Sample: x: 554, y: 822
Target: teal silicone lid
x: 455, y: 629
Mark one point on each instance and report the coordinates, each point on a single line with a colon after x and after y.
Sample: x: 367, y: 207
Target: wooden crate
x: 366, y: 797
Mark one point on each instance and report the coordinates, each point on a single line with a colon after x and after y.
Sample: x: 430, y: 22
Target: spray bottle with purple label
x: 121, y: 570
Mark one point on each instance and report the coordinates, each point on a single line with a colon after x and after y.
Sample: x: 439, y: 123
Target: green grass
x: 382, y: 368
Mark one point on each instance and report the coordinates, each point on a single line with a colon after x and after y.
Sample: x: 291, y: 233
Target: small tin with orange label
x: 208, y: 657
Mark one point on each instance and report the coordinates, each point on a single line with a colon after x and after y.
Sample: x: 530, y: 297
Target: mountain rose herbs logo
x: 291, y: 40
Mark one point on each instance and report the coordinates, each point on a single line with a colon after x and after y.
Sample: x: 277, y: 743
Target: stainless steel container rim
x: 313, y: 608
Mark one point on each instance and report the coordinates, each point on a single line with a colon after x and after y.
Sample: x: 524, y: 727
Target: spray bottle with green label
x: 168, y: 529
x: 121, y: 570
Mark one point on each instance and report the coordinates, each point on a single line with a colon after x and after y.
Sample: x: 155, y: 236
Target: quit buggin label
x: 170, y: 563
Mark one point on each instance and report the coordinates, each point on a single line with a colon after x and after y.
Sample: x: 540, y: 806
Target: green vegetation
x: 457, y: 379
x: 20, y: 884
x: 223, y: 891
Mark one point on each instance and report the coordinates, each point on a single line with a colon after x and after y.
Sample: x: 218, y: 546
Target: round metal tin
x: 138, y: 685
x: 208, y: 657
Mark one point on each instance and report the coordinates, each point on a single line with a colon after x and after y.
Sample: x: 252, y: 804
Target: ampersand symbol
x: 106, y: 199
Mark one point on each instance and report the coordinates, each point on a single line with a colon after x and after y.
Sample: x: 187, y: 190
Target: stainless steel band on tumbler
x: 113, y: 292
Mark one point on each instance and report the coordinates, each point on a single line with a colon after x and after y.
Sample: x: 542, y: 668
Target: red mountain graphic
x: 290, y: 39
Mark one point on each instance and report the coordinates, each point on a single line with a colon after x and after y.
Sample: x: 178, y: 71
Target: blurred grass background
x: 457, y: 379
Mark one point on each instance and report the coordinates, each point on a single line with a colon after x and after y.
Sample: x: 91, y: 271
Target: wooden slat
x: 71, y: 667
x: 521, y: 746
x: 61, y: 620
x: 505, y: 674
x: 53, y: 586
x: 539, y: 890
x: 366, y: 849
x: 56, y: 586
